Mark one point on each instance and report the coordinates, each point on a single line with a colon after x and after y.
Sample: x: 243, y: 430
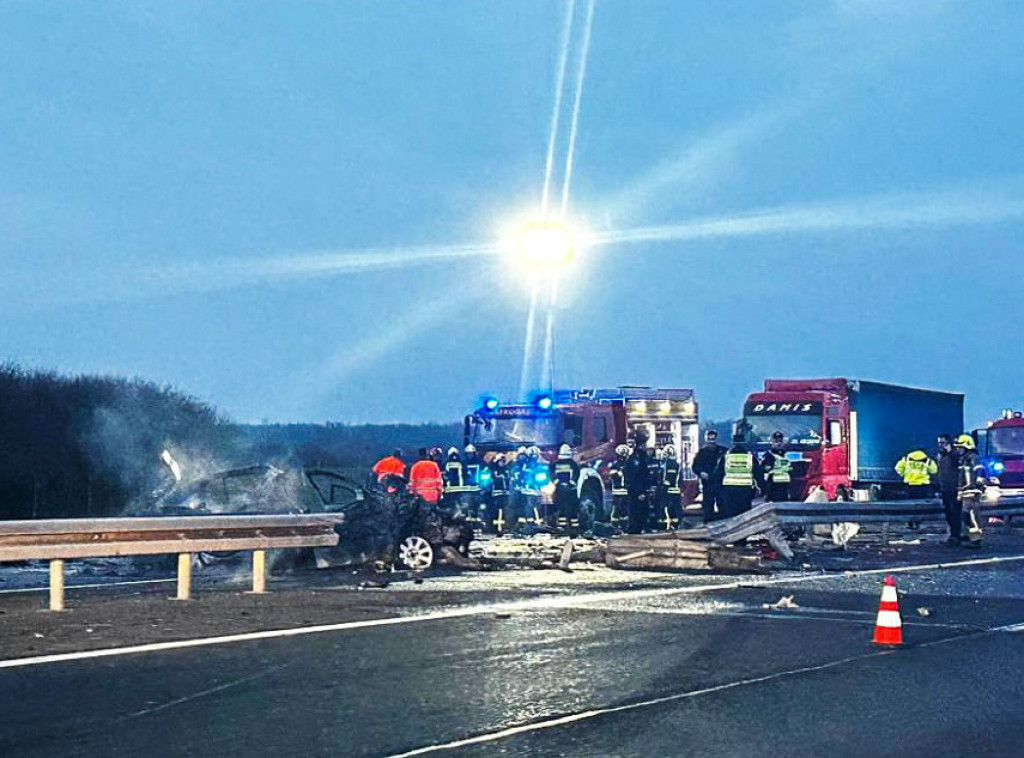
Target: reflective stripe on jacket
x: 455, y: 477
x: 425, y: 480
x: 670, y: 472
x: 739, y: 470
x: 390, y: 466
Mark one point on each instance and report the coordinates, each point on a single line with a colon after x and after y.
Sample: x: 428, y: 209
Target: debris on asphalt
x: 670, y: 550
x: 843, y: 532
x: 922, y: 611
x: 784, y: 603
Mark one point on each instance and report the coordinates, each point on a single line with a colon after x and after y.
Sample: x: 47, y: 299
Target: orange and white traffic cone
x: 889, y: 626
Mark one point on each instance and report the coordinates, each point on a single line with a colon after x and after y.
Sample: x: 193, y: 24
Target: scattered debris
x: 904, y: 542
x: 843, y: 532
x: 922, y: 611
x: 669, y: 550
x: 784, y: 603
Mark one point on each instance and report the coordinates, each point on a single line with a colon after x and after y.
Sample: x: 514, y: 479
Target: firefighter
x: 668, y: 492
x: 498, y: 495
x: 704, y: 464
x: 777, y: 470
x: 425, y: 478
x: 391, y: 465
x: 565, y: 473
x: 477, y: 478
x: 437, y: 456
x: 518, y: 473
x: 454, y: 480
x: 535, y: 477
x: 617, y: 480
x: 971, y: 485
x: 948, y: 481
x: 737, y: 474
x: 917, y: 470
x: 638, y: 486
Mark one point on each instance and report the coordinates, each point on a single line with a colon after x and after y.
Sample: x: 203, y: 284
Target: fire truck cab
x: 593, y: 422
x: 1001, y: 446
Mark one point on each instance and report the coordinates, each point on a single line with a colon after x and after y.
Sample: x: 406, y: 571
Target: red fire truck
x: 593, y: 422
x: 1001, y: 446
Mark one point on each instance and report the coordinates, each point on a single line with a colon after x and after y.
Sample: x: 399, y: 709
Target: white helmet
x: 670, y: 451
x: 521, y: 450
x: 622, y: 450
x: 564, y: 452
x: 470, y: 448
x: 534, y: 450
x: 453, y: 451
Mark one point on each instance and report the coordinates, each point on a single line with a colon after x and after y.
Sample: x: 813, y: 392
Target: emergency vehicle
x: 1001, y: 447
x: 593, y: 422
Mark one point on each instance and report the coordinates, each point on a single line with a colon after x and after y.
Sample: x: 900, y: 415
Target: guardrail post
x: 259, y: 571
x: 184, y: 576
x: 56, y: 585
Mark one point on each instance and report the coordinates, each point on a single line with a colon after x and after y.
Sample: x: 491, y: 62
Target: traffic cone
x: 889, y: 626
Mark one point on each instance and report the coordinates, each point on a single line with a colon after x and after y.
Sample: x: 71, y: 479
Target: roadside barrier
x: 58, y: 540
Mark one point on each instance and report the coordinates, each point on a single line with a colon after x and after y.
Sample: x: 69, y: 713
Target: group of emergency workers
x: 958, y: 476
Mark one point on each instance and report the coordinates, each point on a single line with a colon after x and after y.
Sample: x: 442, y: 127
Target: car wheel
x: 416, y: 553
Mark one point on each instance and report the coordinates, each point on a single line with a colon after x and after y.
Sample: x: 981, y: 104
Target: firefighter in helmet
x: 498, y: 495
x: 565, y: 474
x: 669, y: 502
x: 971, y: 486
x: 477, y: 480
x: 638, y: 485
x: 617, y: 480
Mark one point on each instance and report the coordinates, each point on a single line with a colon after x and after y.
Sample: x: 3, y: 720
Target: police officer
x: 638, y: 485
x: 949, y: 484
x: 669, y: 494
x: 777, y: 470
x: 565, y: 473
x: 737, y: 474
x: 705, y: 462
x: 917, y: 469
x: 617, y: 481
x: 972, y: 484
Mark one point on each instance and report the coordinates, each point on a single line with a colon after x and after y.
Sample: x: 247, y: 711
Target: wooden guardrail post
x: 184, y: 576
x: 56, y: 585
x: 259, y: 571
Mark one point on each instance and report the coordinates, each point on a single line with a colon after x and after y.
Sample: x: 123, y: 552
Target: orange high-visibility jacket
x: 390, y: 466
x: 425, y: 480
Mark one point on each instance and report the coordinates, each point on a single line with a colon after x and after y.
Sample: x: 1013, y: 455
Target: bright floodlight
x: 546, y: 247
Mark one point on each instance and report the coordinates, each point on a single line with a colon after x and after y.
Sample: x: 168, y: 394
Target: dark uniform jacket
x: 948, y: 477
x: 707, y: 458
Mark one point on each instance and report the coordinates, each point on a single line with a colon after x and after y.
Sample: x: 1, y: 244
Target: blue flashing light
x: 541, y: 477
x: 491, y: 403
x: 485, y: 475
x: 997, y: 467
x: 544, y: 402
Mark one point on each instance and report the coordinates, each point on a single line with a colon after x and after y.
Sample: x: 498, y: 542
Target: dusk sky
x: 291, y: 210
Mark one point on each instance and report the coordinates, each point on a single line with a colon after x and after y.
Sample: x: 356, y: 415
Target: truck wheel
x: 416, y: 553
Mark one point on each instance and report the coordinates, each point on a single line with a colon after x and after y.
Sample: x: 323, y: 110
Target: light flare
x: 563, y: 58
x: 574, y: 123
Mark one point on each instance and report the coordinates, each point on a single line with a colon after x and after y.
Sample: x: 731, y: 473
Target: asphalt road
x: 644, y: 673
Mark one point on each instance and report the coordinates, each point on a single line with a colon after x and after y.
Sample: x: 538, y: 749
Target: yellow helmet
x: 965, y: 441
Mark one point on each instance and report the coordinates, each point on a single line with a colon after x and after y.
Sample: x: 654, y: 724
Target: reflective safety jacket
x: 972, y: 474
x: 739, y: 470
x: 425, y: 480
x: 455, y: 477
x: 389, y: 466
x: 777, y: 467
x: 617, y: 477
x: 916, y: 468
x: 669, y: 476
x: 473, y: 473
x: 565, y: 473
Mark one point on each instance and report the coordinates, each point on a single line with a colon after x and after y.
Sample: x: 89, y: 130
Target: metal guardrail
x: 58, y: 540
x: 768, y: 518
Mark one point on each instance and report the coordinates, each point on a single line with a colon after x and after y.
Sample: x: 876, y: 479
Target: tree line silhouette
x: 89, y: 446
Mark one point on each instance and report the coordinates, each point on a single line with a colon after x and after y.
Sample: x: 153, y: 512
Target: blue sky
x: 218, y: 196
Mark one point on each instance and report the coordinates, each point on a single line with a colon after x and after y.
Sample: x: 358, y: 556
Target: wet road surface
x: 650, y: 672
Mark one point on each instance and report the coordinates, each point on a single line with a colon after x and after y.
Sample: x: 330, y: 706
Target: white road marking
x: 204, y: 693
x: 534, y: 604
x: 89, y: 586
x: 594, y: 713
